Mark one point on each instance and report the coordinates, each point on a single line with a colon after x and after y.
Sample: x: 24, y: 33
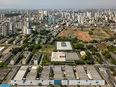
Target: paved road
x: 11, y: 75
x: 112, y: 80
x: 113, y: 55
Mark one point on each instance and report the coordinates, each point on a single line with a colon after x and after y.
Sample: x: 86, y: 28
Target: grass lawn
x: 47, y: 48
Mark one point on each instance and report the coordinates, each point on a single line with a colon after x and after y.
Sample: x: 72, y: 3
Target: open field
x: 98, y: 33
x: 47, y: 48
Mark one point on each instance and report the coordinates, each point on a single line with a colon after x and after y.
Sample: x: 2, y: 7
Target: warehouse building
x: 3, y: 40
x: 9, y: 40
x: 58, y: 73
x: 37, y: 58
x: 1, y: 50
x: 21, y: 73
x: 15, y: 58
x: 22, y: 41
x: 65, y: 56
x: 66, y: 75
x: 69, y: 73
x: 6, y: 58
x: 45, y: 73
x: 27, y: 55
x: 37, y: 40
x: 32, y: 74
x: 16, y: 40
x: 64, y: 46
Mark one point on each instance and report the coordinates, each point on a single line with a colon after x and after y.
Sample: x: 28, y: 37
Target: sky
x: 57, y: 4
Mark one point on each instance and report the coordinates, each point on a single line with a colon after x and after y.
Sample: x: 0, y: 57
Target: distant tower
x: 5, y: 29
x: 21, y: 24
x: 12, y: 28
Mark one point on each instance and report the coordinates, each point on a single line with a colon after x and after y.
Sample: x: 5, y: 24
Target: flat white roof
x: 21, y: 73
x: 2, y: 48
x: 60, y: 47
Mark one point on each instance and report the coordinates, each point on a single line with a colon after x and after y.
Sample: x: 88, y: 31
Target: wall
x: 56, y: 82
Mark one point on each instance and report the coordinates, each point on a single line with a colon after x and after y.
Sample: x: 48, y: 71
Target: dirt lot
x: 83, y: 36
x: 98, y: 33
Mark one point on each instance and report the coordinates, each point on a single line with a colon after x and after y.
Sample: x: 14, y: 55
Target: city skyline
x: 57, y: 4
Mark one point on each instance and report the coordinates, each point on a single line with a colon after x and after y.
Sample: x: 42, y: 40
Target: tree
x: 51, y: 85
x: 84, y: 57
x: 114, y: 73
x: 90, y: 32
x: 112, y: 69
x: 37, y: 46
x: 39, y: 84
x: 78, y: 46
x: 89, y: 62
x: 1, y: 64
x: 89, y: 46
x: 107, y: 55
x: 60, y: 85
x: 16, y: 50
x: 78, y: 85
x: 51, y: 75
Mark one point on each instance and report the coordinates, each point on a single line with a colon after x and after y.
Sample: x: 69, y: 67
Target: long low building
x: 65, y: 56
x: 15, y: 58
x: 32, y: 74
x: 6, y: 58
x: 45, y: 73
x: 26, y: 57
x: 3, y: 40
x: 16, y: 40
x: 66, y: 75
x: 9, y: 40
x: 21, y: 73
x: 37, y: 58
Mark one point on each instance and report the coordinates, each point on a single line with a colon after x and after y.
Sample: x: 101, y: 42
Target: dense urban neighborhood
x: 58, y: 48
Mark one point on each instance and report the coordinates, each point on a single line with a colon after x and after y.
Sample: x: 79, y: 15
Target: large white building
x: 65, y: 56
x: 65, y: 75
x: 63, y: 46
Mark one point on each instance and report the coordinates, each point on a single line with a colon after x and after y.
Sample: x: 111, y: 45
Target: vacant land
x: 83, y: 34
x: 47, y: 48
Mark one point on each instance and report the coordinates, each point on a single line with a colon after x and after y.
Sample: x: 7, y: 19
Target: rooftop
x: 45, y: 73
x: 81, y: 72
x: 58, y: 74
x: 95, y: 75
x: 21, y: 73
x: 32, y: 74
x: 69, y: 73
x: 63, y: 45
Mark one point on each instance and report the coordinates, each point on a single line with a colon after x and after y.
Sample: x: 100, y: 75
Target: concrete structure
x: 69, y: 73
x: 26, y: 57
x: 5, y: 29
x: 65, y: 56
x: 58, y: 74
x: 22, y: 41
x: 24, y: 77
x: 1, y: 50
x: 37, y: 41
x: 15, y: 58
x: 82, y: 53
x: 63, y: 46
x: 9, y: 40
x: 16, y: 40
x: 3, y: 40
x: 80, y: 73
x: 45, y: 73
x: 37, y: 58
x: 31, y: 40
x: 21, y: 73
x: 32, y: 74
x: 6, y: 58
